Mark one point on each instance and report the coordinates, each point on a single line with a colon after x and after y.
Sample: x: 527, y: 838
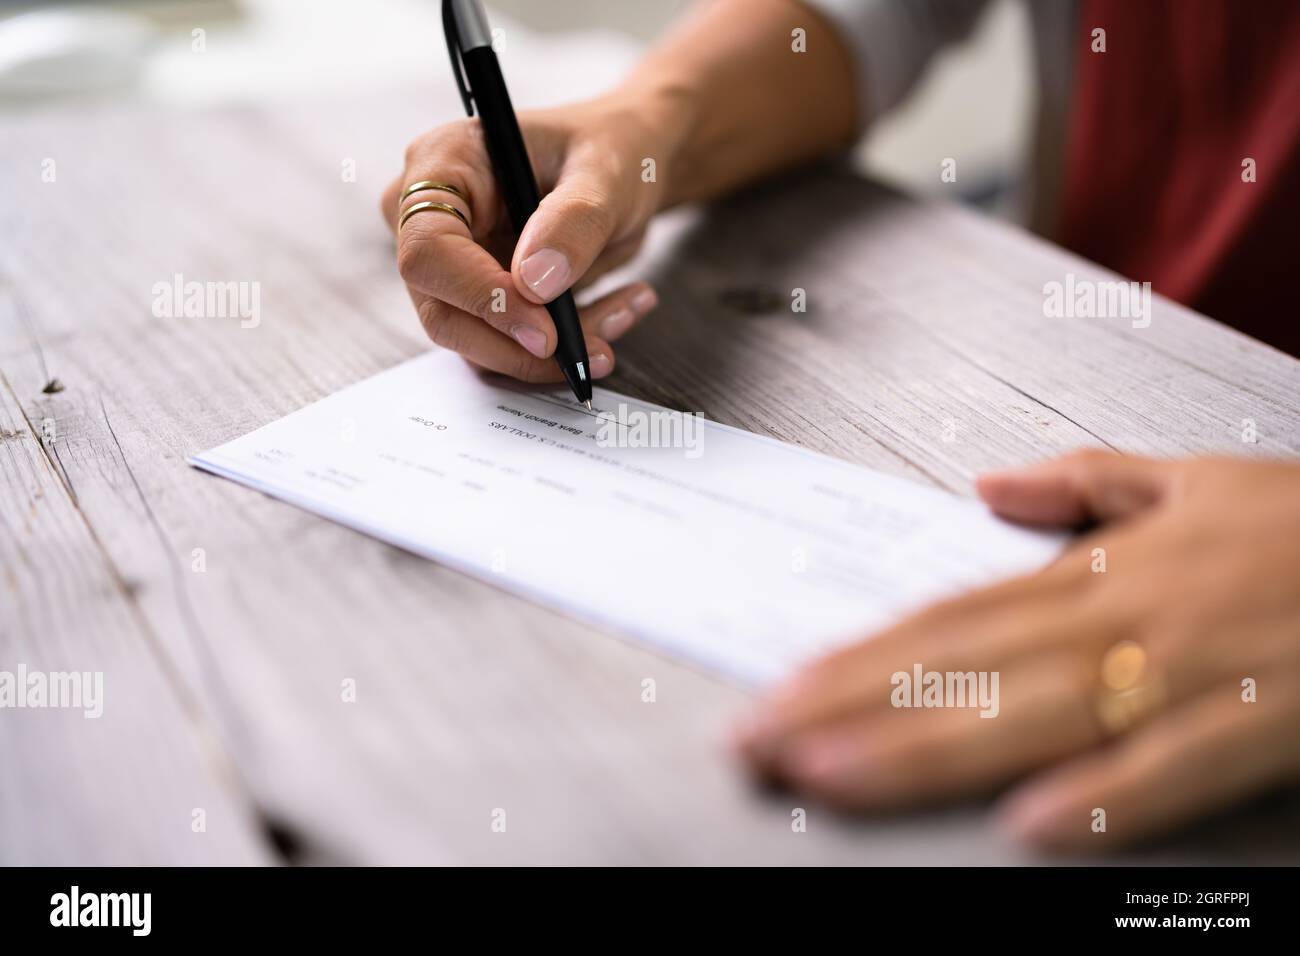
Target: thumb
x: 565, y: 235
x: 1079, y: 488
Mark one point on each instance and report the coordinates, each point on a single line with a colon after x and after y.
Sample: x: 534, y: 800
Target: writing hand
x: 480, y: 294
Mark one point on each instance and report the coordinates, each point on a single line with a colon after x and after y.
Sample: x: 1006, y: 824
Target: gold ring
x: 1130, y: 691
x: 439, y: 206
x: 428, y: 184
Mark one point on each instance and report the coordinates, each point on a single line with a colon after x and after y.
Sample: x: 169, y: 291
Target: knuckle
x: 524, y: 368
x: 407, y: 260
x: 423, y: 144
x: 590, y: 211
x: 478, y: 300
x: 462, y: 136
x: 416, y: 148
x: 414, y: 255
x: 436, y: 319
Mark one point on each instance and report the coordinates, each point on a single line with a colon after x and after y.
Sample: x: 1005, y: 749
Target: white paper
x: 744, y: 555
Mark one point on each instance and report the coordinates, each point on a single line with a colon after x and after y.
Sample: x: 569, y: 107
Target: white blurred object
x: 287, y: 49
x: 71, y: 50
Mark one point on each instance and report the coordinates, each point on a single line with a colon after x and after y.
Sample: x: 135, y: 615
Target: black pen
x: 478, y: 76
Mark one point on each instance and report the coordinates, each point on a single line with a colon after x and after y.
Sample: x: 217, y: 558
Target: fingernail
x: 616, y: 323
x: 601, y: 365
x: 546, y: 272
x: 532, y: 339
x: 644, y: 301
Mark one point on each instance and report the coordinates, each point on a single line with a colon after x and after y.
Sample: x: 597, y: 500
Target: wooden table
x: 226, y: 623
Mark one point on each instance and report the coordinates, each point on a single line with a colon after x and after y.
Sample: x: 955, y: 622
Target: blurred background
x: 977, y: 99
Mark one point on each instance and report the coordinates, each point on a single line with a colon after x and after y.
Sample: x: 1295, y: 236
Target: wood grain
x: 123, y: 786
x: 923, y: 321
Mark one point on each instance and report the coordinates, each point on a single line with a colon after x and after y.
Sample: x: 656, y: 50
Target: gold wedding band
x: 438, y: 206
x: 429, y: 184
x: 1130, y: 690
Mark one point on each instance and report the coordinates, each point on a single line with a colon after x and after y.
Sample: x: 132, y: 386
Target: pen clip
x: 452, y: 34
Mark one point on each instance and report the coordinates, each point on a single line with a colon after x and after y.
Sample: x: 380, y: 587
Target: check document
x: 737, y: 552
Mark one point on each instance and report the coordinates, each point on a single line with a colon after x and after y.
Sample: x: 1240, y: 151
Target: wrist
x: 663, y: 108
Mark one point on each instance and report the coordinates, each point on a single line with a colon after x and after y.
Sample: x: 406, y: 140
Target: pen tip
x: 588, y: 404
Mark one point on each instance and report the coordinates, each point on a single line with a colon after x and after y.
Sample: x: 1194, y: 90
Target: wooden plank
x: 468, y: 700
x: 932, y: 318
x: 124, y: 786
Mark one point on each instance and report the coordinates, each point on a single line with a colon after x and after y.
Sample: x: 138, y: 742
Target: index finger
x: 978, y: 630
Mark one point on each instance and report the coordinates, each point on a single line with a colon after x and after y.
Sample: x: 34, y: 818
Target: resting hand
x: 1194, y: 622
